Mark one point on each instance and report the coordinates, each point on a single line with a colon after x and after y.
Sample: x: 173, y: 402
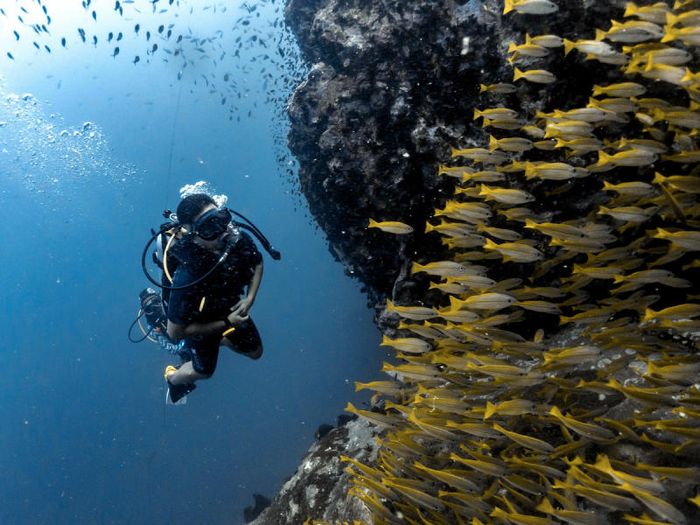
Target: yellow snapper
x: 622, y: 89
x: 536, y: 76
x: 595, y: 47
x: 515, y: 251
x: 655, y: 13
x: 498, y: 88
x: 544, y: 40
x: 686, y: 240
x: 530, y: 7
x: 512, y: 144
x: 633, y: 31
x: 396, y: 227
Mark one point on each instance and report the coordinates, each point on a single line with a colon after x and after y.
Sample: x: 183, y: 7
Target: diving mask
x: 213, y: 224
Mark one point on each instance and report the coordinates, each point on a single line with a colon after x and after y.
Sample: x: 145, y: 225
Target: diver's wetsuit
x: 221, y: 290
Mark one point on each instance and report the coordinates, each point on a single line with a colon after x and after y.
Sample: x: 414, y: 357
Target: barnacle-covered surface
x: 545, y: 326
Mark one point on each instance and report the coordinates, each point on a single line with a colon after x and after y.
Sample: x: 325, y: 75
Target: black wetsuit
x: 221, y: 290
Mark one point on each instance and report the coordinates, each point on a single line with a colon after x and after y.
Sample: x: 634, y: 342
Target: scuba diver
x: 212, y: 272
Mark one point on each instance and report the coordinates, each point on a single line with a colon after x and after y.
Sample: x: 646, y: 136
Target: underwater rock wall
x: 546, y: 321
x: 391, y: 87
x: 387, y: 92
x: 319, y: 487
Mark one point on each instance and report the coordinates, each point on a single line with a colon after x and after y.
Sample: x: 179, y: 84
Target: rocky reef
x: 318, y: 489
x: 386, y: 94
x: 544, y: 307
x: 391, y: 88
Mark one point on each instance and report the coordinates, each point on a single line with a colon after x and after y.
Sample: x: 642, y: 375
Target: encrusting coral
x: 552, y: 373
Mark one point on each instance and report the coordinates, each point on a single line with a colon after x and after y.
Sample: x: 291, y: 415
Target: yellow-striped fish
x: 530, y: 7
x: 655, y: 13
x: 622, y: 89
x: 498, y: 88
x: 395, y: 227
x: 515, y: 251
x: 536, y: 76
x: 505, y: 195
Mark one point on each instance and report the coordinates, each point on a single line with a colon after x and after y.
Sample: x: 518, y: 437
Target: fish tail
x: 490, y: 410
x: 630, y: 10
x: 517, y: 74
x: 568, y: 46
x: 529, y: 223
x: 508, y: 7
x: 598, y: 90
x: 351, y: 408
x: 600, y: 34
x: 477, y: 114
x: 493, y: 142
x: 390, y: 306
x: 415, y: 267
x: 373, y: 224
x: 489, y: 244
x: 661, y: 234
x: 671, y: 20
x: 512, y: 47
x: 429, y: 227
x: 658, y: 178
x: 603, y: 158
x: 617, y: 279
x: 608, y: 186
x: 649, y: 314
x: 545, y: 507
x: 668, y: 36
x: 483, y: 88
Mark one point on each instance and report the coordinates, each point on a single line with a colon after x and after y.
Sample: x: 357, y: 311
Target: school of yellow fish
x: 557, y: 380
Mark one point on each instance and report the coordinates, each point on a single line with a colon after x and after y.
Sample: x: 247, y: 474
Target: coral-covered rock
x: 318, y: 488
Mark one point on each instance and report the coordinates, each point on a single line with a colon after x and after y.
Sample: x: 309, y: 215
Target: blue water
x: 85, y: 434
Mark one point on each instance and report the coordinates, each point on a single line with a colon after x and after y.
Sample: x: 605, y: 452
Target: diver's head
x: 192, y: 206
x: 208, y: 226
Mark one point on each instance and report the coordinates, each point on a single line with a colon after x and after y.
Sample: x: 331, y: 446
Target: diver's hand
x: 241, y: 308
x: 234, y: 318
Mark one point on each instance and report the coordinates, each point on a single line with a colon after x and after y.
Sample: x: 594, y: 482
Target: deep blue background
x: 85, y: 434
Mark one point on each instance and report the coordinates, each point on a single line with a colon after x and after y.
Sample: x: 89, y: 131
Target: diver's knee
x: 203, y: 374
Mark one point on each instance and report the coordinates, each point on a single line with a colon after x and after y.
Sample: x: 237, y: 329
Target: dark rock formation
x: 391, y: 88
x: 322, y: 430
x: 252, y: 512
x: 318, y: 488
x: 374, y: 115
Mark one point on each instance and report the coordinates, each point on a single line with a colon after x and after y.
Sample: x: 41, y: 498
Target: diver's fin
x: 177, y: 394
